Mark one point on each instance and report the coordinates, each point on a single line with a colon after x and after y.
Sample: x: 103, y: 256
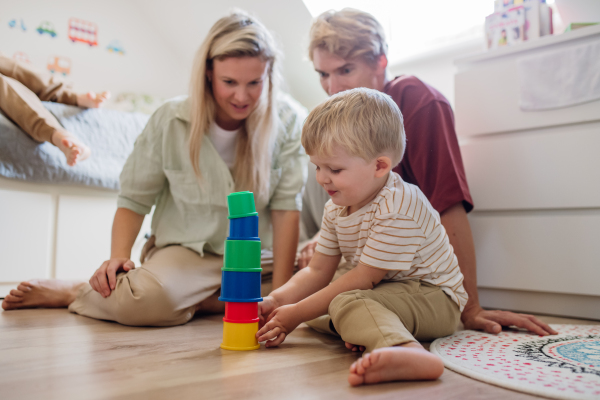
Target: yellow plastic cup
x: 240, y: 336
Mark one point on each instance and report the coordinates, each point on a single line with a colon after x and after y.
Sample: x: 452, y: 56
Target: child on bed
x: 405, y: 284
x: 22, y: 89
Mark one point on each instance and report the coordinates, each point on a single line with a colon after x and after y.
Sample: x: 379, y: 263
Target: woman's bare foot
x: 92, y: 100
x: 48, y: 293
x: 409, y: 362
x: 71, y: 147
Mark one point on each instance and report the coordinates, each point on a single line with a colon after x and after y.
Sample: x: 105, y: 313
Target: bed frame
x: 55, y: 231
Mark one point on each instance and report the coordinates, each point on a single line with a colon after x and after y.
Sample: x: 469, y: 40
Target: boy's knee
x: 343, y: 300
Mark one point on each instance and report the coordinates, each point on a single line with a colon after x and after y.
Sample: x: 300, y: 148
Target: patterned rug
x: 564, y: 366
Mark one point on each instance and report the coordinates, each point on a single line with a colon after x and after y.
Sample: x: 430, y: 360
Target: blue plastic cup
x: 240, y: 287
x: 245, y: 228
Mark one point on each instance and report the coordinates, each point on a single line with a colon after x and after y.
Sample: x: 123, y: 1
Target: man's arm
x: 473, y: 316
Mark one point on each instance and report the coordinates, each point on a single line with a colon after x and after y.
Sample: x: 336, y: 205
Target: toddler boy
x: 405, y: 284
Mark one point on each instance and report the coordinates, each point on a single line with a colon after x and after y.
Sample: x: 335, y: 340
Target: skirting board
x: 558, y: 304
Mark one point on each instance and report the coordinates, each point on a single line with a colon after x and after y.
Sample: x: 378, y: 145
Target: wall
x: 437, y: 69
x: 149, y: 64
x: 185, y: 23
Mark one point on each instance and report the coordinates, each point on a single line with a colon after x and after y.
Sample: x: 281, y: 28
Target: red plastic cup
x: 241, y: 313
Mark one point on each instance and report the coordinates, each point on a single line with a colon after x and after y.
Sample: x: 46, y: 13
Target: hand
x: 307, y: 252
x: 104, y: 279
x: 492, y: 321
x: 266, y: 308
x: 281, y: 323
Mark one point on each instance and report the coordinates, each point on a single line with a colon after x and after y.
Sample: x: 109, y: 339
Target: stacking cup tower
x: 240, y: 285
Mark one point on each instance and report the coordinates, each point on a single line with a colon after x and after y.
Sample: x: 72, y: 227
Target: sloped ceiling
x: 184, y: 24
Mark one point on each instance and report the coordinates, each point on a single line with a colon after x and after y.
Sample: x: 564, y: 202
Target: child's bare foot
x: 354, y: 347
x: 72, y: 148
x: 409, y: 362
x: 49, y: 293
x: 92, y: 100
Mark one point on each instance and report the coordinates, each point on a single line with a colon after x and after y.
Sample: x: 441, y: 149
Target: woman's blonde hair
x: 366, y: 123
x: 348, y: 34
x: 238, y: 35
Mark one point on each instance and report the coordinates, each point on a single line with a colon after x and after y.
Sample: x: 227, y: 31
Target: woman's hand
x: 281, y: 323
x: 104, y: 279
x: 265, y: 308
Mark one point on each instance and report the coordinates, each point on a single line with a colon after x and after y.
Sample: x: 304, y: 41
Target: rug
x: 563, y: 366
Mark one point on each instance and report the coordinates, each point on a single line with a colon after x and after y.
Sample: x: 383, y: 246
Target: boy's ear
x: 383, y: 165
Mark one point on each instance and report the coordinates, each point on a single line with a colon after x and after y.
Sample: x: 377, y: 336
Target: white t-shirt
x: 225, y: 142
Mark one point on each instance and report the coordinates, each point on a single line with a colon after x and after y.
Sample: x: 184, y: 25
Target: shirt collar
x: 184, y: 110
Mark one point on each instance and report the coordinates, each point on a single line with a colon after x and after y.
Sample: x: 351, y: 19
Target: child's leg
x: 23, y: 107
x: 390, y: 315
x: 48, y: 88
x: 45, y: 86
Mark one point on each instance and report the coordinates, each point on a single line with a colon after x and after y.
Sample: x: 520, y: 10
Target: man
x: 348, y: 50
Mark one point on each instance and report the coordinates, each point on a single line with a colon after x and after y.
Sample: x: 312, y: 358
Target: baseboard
x: 558, y: 304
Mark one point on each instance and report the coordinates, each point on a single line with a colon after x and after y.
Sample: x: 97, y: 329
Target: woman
x: 233, y: 133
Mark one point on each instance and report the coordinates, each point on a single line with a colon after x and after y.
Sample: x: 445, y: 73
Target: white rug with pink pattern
x: 564, y: 366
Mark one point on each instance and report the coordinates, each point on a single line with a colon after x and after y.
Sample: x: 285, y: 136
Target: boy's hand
x: 266, y: 308
x: 281, y: 323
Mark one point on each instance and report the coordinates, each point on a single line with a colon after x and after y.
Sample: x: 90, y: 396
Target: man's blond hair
x: 366, y: 123
x: 348, y: 34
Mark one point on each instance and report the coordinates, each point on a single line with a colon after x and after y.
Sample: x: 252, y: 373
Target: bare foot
x: 71, y: 147
x: 354, y: 347
x: 48, y: 293
x: 92, y: 100
x: 409, y: 362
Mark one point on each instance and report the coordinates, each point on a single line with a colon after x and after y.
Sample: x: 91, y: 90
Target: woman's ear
x: 383, y: 165
x: 209, y: 75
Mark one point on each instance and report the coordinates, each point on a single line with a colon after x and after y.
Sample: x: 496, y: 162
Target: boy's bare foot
x: 354, y: 347
x: 48, y: 293
x: 72, y: 147
x: 409, y: 362
x: 92, y: 100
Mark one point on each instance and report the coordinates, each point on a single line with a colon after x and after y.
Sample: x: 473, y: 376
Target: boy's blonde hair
x: 348, y: 34
x: 366, y: 123
x: 238, y: 35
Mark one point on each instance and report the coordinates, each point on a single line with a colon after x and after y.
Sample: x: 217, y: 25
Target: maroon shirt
x: 432, y: 159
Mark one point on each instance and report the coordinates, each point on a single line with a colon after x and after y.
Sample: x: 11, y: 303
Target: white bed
x: 50, y: 231
x: 55, y: 220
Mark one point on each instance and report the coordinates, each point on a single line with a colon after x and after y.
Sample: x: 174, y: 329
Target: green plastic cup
x: 242, y: 256
x: 241, y: 204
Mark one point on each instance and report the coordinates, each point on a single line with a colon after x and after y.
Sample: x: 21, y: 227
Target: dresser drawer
x: 554, y: 251
x: 548, y: 168
x: 487, y: 101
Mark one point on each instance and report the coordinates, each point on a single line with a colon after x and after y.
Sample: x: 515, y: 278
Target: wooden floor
x: 52, y: 354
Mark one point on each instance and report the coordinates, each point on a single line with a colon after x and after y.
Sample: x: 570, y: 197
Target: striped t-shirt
x: 399, y: 231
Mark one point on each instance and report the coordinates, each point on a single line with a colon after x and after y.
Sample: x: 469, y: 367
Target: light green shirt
x: 193, y: 213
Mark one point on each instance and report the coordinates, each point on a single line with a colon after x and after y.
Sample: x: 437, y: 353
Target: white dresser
x: 535, y: 181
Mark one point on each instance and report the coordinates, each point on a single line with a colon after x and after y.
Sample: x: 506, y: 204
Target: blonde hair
x: 238, y: 35
x: 366, y: 123
x: 348, y: 34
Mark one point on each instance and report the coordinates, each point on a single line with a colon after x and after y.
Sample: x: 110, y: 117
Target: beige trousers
x: 164, y: 291
x: 391, y: 314
x: 22, y: 89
